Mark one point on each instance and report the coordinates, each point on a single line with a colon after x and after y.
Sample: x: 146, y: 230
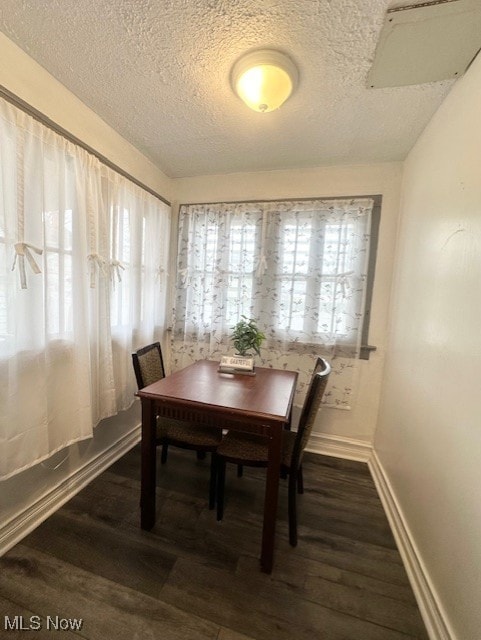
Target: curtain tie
x: 24, y: 250
x: 184, y: 277
x: 343, y: 279
x: 95, y: 259
x: 115, y: 267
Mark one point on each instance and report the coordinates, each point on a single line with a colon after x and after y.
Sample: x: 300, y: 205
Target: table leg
x: 271, y: 498
x: 148, y: 463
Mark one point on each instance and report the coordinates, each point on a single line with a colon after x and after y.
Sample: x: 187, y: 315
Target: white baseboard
x: 21, y: 525
x: 432, y: 612
x: 339, y: 447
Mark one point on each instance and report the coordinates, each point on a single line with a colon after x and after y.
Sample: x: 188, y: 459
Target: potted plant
x: 247, y: 337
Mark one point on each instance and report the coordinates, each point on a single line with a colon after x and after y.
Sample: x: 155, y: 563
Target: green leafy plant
x: 246, y: 336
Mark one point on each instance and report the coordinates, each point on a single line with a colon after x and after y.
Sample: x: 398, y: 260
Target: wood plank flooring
x: 193, y: 578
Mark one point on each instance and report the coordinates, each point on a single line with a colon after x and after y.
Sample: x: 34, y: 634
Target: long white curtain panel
x: 82, y: 283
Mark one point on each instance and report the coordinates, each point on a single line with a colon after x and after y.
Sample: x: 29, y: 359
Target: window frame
x: 366, y: 349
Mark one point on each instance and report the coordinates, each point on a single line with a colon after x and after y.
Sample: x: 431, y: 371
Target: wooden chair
x: 252, y: 450
x: 149, y: 367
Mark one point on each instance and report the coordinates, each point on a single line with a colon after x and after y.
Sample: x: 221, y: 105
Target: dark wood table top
x: 267, y: 395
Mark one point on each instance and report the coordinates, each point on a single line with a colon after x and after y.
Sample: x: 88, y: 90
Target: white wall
x: 338, y: 429
x: 429, y: 435
x: 30, y: 496
x: 25, y: 78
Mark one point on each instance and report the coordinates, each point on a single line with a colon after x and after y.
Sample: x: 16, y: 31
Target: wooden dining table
x: 202, y: 395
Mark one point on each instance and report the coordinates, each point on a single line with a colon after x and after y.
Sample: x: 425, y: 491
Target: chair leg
x: 213, y: 480
x: 163, y: 455
x: 300, y: 480
x: 200, y: 455
x: 240, y: 470
x: 293, y: 479
x: 221, y: 464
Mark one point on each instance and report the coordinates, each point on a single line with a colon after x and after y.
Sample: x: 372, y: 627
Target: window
x: 70, y: 225
x: 303, y: 269
x: 120, y: 265
x: 316, y: 261
x: 216, y: 269
x: 320, y: 261
x: 238, y: 271
x: 58, y: 271
x: 294, y: 280
x: 54, y: 206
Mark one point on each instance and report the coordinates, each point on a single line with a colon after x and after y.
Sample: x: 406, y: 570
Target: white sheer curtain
x: 86, y: 288
x: 298, y: 267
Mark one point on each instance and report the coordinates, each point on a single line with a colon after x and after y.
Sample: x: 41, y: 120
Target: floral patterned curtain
x: 298, y: 267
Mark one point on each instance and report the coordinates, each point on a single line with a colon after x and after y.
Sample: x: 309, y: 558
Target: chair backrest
x: 311, y: 406
x: 148, y: 365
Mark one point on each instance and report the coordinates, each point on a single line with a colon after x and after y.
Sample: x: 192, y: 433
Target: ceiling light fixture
x: 264, y: 79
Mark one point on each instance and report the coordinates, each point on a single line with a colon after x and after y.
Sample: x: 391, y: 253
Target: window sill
x: 366, y: 350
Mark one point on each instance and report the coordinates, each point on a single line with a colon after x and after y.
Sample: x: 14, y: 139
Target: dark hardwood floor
x: 193, y: 578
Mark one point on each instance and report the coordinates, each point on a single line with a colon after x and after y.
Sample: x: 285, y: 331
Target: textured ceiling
x: 158, y: 72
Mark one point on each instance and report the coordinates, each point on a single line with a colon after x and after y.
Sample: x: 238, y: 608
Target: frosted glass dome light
x: 264, y: 79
